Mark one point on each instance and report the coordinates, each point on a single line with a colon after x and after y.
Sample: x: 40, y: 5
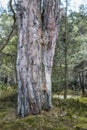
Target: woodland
x: 43, y: 66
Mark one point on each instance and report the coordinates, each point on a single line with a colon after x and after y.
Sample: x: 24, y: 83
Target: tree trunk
x: 82, y: 82
x: 38, y: 24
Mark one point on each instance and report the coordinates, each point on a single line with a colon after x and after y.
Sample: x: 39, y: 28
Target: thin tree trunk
x: 66, y: 49
x: 37, y: 29
x: 81, y: 77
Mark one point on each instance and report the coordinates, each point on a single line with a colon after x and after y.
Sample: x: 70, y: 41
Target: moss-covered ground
x: 69, y: 114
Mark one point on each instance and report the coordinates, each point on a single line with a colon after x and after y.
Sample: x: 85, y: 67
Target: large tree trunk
x: 38, y: 24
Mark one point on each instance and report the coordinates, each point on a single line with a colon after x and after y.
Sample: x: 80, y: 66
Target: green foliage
x: 76, y: 47
x: 7, y: 93
x: 8, y: 54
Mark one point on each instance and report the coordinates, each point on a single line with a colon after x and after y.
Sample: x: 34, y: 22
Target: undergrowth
x: 69, y: 114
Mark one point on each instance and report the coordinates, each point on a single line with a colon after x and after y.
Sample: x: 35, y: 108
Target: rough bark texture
x: 83, y: 78
x: 38, y: 24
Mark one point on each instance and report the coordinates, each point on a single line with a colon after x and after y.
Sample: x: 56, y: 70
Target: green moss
x: 81, y: 126
x: 3, y: 114
x: 60, y: 128
x: 13, y: 126
x: 64, y: 116
x: 83, y: 100
x: 82, y: 119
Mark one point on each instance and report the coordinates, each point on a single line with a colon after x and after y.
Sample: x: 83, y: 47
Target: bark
x: 38, y: 25
x: 49, y: 33
x: 82, y: 82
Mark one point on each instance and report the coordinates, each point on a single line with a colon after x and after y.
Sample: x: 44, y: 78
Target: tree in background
x: 8, y: 43
x: 76, y: 49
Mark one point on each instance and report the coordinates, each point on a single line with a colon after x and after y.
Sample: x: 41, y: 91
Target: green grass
x: 69, y: 114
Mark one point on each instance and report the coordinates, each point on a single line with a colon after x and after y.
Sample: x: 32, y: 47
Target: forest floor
x: 69, y: 114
